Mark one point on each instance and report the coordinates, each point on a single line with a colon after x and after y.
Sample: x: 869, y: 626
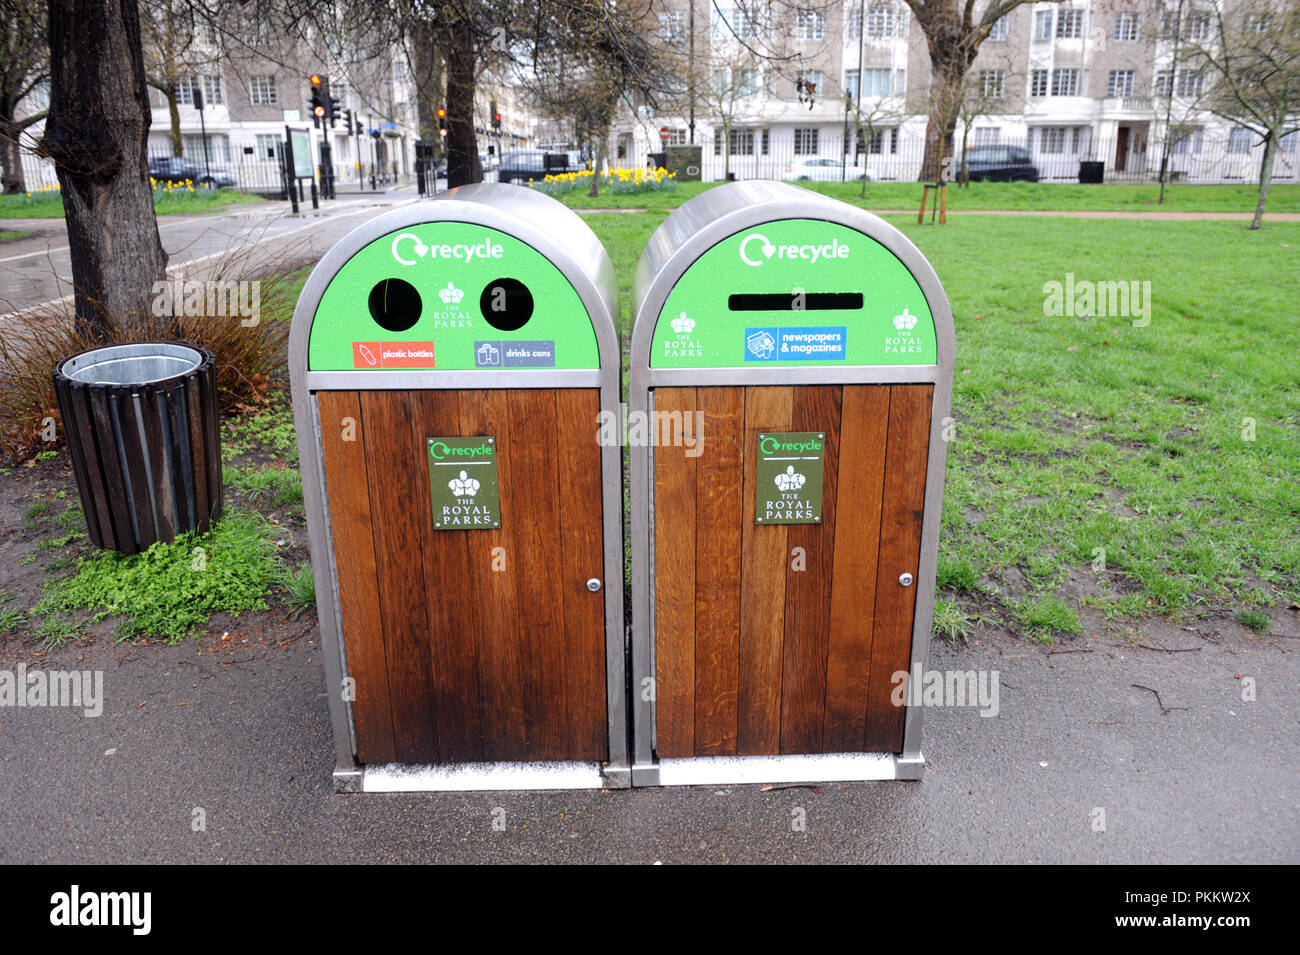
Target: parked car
x: 530, y: 165
x: 821, y: 169
x: 179, y: 169
x: 999, y: 163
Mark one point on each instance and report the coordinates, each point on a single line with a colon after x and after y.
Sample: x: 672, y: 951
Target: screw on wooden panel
x: 905, y: 579
x: 593, y: 585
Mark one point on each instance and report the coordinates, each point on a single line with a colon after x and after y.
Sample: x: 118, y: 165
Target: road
x: 36, y: 270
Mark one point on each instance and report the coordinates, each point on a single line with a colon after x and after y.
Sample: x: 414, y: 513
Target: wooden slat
x: 354, y: 556
x: 534, y: 528
x: 807, y: 594
x: 212, y: 439
x: 138, y: 493
x: 189, y: 392
x: 452, y: 562
x: 720, y: 470
x: 579, y: 461
x: 85, y: 462
x: 906, y: 454
x: 500, y: 655
x: 766, y: 558
x: 160, y: 465
x: 853, y: 592
x: 675, y: 531
x: 398, y: 484
x: 114, y: 484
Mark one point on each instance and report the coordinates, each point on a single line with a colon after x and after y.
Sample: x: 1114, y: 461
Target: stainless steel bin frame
x: 562, y: 237
x: 696, y: 227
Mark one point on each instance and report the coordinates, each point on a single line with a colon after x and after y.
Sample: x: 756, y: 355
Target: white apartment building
x: 1078, y: 80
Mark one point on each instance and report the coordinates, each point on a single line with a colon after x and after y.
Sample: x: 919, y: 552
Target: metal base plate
x: 821, y: 768
x: 474, y: 777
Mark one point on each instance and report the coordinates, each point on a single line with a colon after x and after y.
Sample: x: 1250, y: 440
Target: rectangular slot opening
x: 786, y: 301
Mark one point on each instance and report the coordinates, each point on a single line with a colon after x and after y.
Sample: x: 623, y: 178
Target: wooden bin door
x: 784, y: 638
x: 469, y: 645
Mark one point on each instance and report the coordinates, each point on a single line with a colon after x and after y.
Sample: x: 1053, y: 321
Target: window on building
x: 883, y: 141
x: 764, y: 141
x: 218, y: 148
x: 1190, y: 83
x: 851, y: 82
x: 1001, y: 29
x: 900, y: 82
x: 876, y: 82
x: 672, y: 26
x: 1188, y: 140
x: 262, y: 91
x: 853, y: 17
x: 1289, y: 144
x: 809, y: 25
x: 1038, y: 82
x: 269, y: 146
x: 1069, y: 24
x: 185, y: 88
x: 1043, y: 24
x: 818, y: 80
x: 1051, y: 140
x: 737, y: 21
x: 805, y: 142
x: 677, y: 137
x: 1120, y: 83
x: 882, y: 22
x: 1126, y: 27
x: 1198, y: 27
x: 1065, y: 82
x: 1256, y: 22
x: 214, y: 93
x: 987, y: 135
x: 1163, y: 83
x: 992, y: 83
x: 1239, y: 140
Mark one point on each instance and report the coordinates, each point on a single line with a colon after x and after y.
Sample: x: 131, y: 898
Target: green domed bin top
x: 453, y: 285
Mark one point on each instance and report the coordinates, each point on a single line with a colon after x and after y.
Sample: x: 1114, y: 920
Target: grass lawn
x: 997, y: 195
x: 49, y: 204
x: 10, y: 236
x: 1097, y: 464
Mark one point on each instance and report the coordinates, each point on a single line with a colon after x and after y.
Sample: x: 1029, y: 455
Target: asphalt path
x: 237, y: 728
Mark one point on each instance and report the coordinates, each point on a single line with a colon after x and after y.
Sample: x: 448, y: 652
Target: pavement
x: 235, y: 732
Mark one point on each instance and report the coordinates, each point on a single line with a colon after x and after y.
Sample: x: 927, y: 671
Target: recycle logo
x: 464, y: 485
x: 790, y: 480
x: 905, y: 322
x: 450, y: 295
x: 683, y: 325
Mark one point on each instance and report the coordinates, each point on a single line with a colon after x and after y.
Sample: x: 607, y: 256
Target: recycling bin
x: 451, y: 362
x: 1091, y: 171
x: 790, y: 387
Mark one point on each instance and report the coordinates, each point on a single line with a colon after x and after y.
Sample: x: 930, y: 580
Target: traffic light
x: 442, y: 121
x: 496, y: 116
x: 347, y: 122
x: 331, y: 108
x: 318, y: 96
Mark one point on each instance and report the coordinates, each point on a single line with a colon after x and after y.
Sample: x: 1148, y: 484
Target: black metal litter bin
x: 141, y: 425
x: 1090, y: 171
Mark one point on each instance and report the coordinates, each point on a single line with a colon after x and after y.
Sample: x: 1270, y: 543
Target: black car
x: 179, y: 169
x: 999, y: 163
x: 531, y: 165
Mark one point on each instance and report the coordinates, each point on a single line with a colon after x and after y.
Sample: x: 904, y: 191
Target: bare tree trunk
x: 1265, y: 178
x: 174, y: 115
x: 96, y: 135
x: 11, y: 158
x: 463, y: 165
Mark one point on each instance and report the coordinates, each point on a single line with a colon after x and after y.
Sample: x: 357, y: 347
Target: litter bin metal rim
x: 137, y: 363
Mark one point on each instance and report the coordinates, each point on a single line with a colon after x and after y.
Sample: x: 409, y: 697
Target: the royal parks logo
x: 902, y: 341
x: 463, y: 483
x: 790, y: 471
x: 681, y: 344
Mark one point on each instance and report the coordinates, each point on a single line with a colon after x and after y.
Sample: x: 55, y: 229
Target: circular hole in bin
x: 139, y: 363
x: 506, y: 304
x: 394, y: 304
